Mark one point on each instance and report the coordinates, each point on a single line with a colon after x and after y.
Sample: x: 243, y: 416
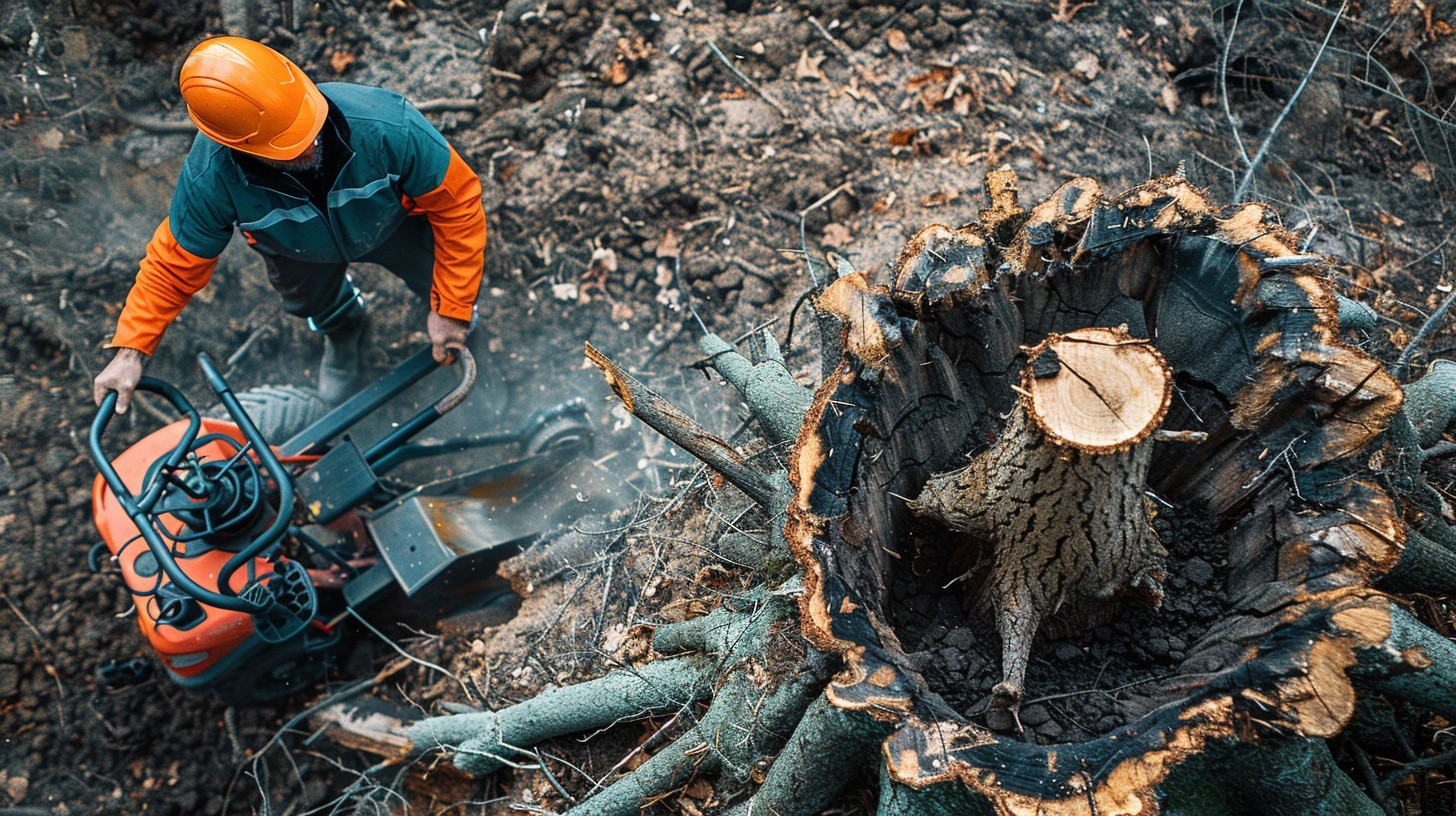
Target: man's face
x: 309, y: 160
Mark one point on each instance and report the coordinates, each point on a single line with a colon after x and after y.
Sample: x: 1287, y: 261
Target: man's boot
x: 345, y: 329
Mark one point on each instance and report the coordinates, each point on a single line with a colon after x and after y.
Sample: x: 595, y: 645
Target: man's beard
x: 308, y: 165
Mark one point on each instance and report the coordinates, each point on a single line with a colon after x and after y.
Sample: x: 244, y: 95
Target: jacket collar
x: 337, y: 153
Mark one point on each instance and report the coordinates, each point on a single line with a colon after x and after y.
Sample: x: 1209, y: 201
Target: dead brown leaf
x: 341, y: 60
x: 617, y: 73
x: 930, y: 87
x: 939, y: 199
x: 896, y: 39
x: 699, y: 789
x: 903, y: 138
x: 1169, y: 98
x: 668, y: 246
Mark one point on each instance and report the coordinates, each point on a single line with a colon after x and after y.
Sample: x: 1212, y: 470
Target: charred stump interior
x: 1095, y: 509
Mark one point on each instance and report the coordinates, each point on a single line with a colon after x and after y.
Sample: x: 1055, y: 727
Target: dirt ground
x: 631, y: 180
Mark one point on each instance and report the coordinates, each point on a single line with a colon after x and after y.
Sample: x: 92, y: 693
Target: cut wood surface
x: 1098, y: 390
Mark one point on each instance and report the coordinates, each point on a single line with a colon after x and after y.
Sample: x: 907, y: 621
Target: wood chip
x: 808, y: 68
x: 1087, y: 68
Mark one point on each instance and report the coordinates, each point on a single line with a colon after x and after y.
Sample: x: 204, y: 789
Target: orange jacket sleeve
x: 457, y: 221
x: 168, y: 278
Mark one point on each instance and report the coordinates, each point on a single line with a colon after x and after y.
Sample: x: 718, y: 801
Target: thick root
x: 485, y: 742
x: 1415, y: 665
x: 1425, y: 566
x: 1430, y: 402
x: 1298, y: 778
x: 829, y: 747
x: 724, y: 742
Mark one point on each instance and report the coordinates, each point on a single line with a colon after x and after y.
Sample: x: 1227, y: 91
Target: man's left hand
x: 447, y: 335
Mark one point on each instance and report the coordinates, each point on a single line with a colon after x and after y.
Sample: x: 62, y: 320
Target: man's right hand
x: 120, y: 375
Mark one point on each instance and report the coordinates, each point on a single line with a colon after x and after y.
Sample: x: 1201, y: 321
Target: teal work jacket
x: 392, y: 155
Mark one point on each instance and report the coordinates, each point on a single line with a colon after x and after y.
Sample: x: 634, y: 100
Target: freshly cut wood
x: 1097, y: 390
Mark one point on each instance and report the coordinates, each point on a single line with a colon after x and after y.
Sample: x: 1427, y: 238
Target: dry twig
x: 1288, y: 106
x: 749, y: 83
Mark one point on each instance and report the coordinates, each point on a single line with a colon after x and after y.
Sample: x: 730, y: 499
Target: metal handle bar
x: 270, y: 461
x: 139, y: 511
x: 382, y: 455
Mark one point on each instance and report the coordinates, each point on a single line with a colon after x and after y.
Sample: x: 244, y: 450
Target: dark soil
x: 629, y: 178
x: 1082, y: 666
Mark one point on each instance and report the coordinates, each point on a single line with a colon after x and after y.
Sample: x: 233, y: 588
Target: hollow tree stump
x: 1293, y: 459
x: 1059, y: 496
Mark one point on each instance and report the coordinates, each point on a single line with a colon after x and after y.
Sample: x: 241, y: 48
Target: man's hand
x: 120, y: 375
x: 446, y: 336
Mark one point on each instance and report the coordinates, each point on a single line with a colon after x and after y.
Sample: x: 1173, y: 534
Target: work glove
x: 447, y: 335
x: 120, y: 375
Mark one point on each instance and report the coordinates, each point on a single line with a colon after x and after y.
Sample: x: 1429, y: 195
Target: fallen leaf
x: 903, y: 138
x: 617, y: 73
x: 1170, y: 98
x: 698, y: 789
x: 613, y: 638
x: 668, y: 246
x: 897, y: 41
x: 341, y: 60
x: 1423, y: 171
x: 939, y: 199
x: 808, y: 67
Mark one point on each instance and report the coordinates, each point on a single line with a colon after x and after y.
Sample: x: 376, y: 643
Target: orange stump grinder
x: 245, y: 558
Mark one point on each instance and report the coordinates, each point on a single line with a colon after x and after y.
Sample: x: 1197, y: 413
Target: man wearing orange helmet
x: 314, y: 178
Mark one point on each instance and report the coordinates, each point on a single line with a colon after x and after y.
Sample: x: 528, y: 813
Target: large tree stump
x: 1046, y: 348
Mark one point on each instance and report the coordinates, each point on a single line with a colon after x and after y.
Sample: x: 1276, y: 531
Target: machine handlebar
x: 139, y: 510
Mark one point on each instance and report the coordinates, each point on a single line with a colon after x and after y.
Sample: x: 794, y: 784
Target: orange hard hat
x: 247, y: 96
